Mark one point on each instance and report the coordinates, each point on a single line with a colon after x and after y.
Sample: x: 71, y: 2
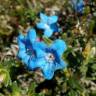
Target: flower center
x: 30, y: 52
x: 50, y: 57
x: 47, y: 26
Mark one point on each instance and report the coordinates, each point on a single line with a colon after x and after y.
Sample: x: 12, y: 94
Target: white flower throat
x: 47, y: 26
x: 50, y: 57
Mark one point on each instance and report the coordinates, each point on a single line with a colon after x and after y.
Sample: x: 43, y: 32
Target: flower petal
x: 22, y: 50
x: 48, y: 32
x: 24, y: 57
x: 54, y: 27
x: 52, y: 19
x: 32, y: 64
x: 39, y: 48
x: 39, y: 53
x: 31, y: 35
x: 23, y: 42
x: 61, y: 65
x: 48, y: 71
x: 60, y: 46
x: 42, y: 45
x: 41, y: 62
x: 20, y: 40
x: 40, y: 25
x: 43, y: 18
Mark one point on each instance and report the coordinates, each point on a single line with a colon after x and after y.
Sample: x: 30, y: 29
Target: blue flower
x: 48, y: 24
x: 26, y: 50
x: 36, y: 54
x: 50, y: 59
x: 78, y: 5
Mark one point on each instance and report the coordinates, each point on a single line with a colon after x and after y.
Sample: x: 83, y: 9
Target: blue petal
x: 31, y: 35
x: 61, y: 65
x: 21, y: 45
x: 22, y: 50
x: 23, y: 42
x: 23, y: 55
x: 28, y: 45
x: 60, y: 46
x: 43, y: 18
x: 52, y: 19
x: 39, y: 48
x: 54, y: 27
x: 40, y: 25
x: 25, y: 60
x: 48, y: 32
x: 42, y: 45
x: 32, y: 64
x: 48, y: 71
x: 39, y: 52
x: 21, y: 36
x: 20, y: 42
x: 20, y: 53
x: 41, y: 62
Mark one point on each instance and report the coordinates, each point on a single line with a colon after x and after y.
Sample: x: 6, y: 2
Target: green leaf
x: 72, y: 93
x: 31, y: 91
x: 30, y: 14
x: 74, y: 84
x: 93, y: 67
x: 91, y: 26
x: 84, y: 69
x: 5, y: 77
x: 16, y: 91
x: 86, y: 10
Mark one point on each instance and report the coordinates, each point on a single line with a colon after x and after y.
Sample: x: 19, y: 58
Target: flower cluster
x: 37, y: 54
